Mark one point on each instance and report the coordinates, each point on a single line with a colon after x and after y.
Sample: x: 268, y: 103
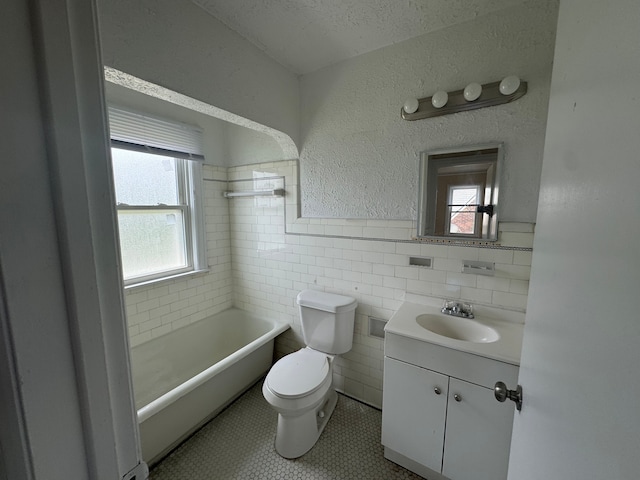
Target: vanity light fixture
x: 472, y: 97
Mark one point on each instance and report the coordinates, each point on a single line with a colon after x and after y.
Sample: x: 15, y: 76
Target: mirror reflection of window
x: 461, y: 209
x: 457, y: 199
x: 458, y: 193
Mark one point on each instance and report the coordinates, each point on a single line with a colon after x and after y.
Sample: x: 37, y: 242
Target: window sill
x: 159, y: 281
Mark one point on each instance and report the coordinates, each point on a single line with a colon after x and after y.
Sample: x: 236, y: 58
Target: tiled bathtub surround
x: 261, y: 255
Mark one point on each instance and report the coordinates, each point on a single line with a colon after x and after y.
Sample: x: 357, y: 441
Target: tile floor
x: 239, y: 444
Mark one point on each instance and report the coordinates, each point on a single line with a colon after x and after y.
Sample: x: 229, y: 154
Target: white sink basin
x: 494, y: 333
x: 458, y: 328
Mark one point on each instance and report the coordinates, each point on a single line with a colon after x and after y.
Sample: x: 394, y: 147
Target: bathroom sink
x: 458, y: 328
x: 494, y: 333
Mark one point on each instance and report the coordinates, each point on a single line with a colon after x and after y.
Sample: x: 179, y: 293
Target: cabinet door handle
x: 457, y: 397
x: 437, y: 390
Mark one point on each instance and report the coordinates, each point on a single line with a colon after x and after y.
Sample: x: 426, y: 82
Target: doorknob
x: 502, y: 393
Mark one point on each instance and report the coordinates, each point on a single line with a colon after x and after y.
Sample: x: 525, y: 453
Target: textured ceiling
x: 306, y: 35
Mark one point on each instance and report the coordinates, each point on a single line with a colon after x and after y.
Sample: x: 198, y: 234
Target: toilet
x: 299, y: 385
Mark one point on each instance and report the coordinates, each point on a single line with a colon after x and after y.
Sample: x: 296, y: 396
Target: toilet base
x: 296, y: 435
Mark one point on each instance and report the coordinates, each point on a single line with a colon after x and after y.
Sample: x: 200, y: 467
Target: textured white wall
x: 215, y: 149
x: 246, y: 146
x: 359, y: 159
x: 175, y: 44
x: 225, y: 144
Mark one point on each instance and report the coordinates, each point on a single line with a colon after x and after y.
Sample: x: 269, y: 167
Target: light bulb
x: 509, y: 85
x: 439, y: 99
x: 411, y: 105
x: 472, y: 92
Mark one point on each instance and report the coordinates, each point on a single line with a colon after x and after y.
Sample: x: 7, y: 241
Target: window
x: 462, y: 209
x: 158, y: 206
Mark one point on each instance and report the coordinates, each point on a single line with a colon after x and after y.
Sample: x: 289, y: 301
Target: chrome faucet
x: 457, y: 309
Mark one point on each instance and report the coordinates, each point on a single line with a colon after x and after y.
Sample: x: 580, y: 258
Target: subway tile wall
x: 260, y: 255
x: 158, y: 308
x: 271, y: 267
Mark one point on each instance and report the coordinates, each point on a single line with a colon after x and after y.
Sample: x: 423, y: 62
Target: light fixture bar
x: 489, y: 97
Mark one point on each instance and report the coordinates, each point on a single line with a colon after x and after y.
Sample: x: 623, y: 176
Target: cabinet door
x: 478, y: 434
x: 413, y: 414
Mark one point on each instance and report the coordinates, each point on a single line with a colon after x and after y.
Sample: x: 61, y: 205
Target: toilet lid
x: 298, y: 374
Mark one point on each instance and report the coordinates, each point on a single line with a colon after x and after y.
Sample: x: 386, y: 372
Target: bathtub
x: 183, y: 379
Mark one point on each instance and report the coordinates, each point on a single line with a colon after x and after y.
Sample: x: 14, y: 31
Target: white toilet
x: 298, y: 386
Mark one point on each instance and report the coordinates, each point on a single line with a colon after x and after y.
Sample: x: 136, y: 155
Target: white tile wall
x: 158, y: 308
x: 271, y: 267
x: 256, y: 266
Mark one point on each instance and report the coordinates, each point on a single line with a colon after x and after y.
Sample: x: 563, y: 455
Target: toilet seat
x: 298, y: 374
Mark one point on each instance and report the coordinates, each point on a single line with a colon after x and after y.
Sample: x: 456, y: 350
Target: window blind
x: 142, y: 132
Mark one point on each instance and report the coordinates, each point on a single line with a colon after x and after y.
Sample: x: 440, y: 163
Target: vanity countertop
x: 506, y: 349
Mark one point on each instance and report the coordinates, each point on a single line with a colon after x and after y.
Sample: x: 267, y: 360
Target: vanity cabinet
x: 439, y: 414
x: 478, y: 435
x: 413, y: 413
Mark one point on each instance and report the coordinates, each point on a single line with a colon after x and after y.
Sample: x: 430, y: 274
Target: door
x: 581, y: 349
x: 414, y: 411
x: 478, y: 434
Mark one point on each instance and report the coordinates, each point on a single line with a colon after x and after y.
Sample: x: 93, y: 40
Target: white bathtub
x: 184, y: 378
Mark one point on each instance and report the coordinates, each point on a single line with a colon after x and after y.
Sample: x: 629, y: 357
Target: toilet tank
x: 327, y: 320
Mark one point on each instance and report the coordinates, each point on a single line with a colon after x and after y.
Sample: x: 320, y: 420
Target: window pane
x: 463, y: 222
x: 144, y: 179
x: 463, y: 196
x: 463, y: 210
x: 151, y: 241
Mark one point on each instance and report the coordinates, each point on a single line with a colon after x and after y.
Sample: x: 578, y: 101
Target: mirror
x: 458, y: 193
